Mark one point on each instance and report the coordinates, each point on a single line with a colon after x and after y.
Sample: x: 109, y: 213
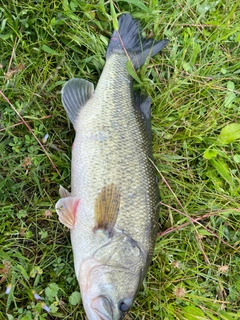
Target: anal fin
x: 75, y: 93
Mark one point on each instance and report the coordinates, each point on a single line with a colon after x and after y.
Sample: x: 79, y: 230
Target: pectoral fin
x: 66, y: 209
x: 106, y: 208
x: 75, y: 93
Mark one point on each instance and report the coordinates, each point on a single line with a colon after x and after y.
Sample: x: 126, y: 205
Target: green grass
x: 194, y: 86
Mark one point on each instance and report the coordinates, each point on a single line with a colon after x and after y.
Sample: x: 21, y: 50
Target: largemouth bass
x: 112, y: 210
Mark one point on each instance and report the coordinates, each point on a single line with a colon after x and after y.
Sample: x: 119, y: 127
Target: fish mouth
x: 102, y: 307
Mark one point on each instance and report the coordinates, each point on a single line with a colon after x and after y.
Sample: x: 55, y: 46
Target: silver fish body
x: 112, y: 210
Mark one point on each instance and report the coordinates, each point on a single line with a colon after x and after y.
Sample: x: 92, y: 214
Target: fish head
x: 106, y: 307
x: 110, y: 279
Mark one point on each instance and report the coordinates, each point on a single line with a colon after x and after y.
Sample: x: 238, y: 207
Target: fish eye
x: 124, y: 307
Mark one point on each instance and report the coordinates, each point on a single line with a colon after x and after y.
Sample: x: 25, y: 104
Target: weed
x: 194, y: 87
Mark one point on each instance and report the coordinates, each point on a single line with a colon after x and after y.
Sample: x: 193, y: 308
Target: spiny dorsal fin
x: 75, y: 93
x: 106, y: 208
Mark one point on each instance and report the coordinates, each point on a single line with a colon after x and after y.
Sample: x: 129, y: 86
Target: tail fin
x: 129, y: 38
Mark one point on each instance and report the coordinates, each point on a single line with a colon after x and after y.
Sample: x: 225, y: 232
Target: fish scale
x: 112, y: 210
x: 120, y: 151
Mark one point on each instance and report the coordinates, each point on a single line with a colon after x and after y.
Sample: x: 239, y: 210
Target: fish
x: 112, y: 210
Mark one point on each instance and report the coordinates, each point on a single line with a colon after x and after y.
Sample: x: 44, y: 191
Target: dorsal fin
x: 106, y: 208
x: 75, y: 93
x: 143, y: 104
